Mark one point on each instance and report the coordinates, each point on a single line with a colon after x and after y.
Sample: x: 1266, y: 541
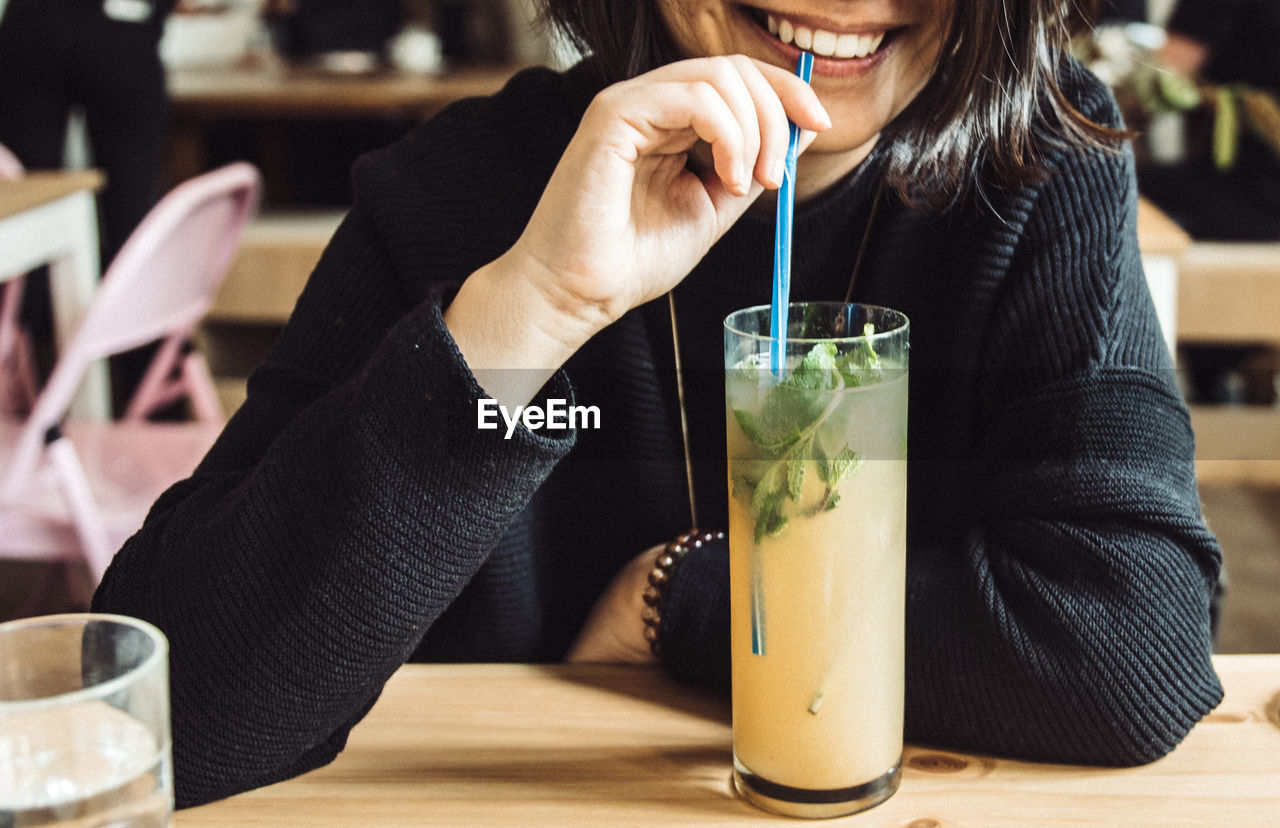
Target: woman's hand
x: 623, y: 218
x: 614, y: 631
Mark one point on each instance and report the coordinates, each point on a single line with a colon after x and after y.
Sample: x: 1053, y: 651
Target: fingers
x: 760, y: 99
x: 798, y: 98
x: 738, y: 106
x: 771, y: 117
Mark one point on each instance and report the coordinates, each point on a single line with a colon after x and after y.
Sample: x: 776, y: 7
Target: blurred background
x: 301, y: 88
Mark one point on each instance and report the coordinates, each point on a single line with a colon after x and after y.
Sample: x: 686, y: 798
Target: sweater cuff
x: 429, y: 399
x: 695, y: 618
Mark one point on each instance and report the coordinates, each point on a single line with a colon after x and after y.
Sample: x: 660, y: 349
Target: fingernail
x: 778, y: 171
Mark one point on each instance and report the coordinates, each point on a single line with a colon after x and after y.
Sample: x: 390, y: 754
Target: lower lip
x: 825, y: 66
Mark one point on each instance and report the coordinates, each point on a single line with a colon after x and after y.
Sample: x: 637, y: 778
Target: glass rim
x: 159, y: 651
x: 767, y: 310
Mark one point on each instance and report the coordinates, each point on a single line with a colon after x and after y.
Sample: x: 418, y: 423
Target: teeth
x: 848, y: 46
x: 822, y: 42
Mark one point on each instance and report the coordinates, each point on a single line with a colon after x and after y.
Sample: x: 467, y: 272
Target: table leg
x: 1162, y: 281
x: 73, y: 278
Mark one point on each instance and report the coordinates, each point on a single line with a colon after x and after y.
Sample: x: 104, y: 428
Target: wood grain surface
x: 39, y: 187
x: 462, y: 745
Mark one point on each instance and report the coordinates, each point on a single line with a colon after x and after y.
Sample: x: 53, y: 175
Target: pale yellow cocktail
x: 817, y: 532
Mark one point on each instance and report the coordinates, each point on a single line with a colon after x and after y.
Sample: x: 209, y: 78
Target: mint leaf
x: 744, y: 487
x: 844, y: 465
x: 782, y: 421
x: 750, y: 426
x: 770, y: 487
x: 795, y: 478
x: 861, y: 366
x: 770, y: 520
x: 766, y: 501
x: 817, y: 371
x: 786, y: 428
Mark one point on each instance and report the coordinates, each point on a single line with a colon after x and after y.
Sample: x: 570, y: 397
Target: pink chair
x: 17, y: 363
x: 75, y: 488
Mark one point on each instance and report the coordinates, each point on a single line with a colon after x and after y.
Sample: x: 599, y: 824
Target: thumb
x: 807, y: 137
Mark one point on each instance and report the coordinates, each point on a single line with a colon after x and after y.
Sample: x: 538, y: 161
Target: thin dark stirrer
x: 684, y: 417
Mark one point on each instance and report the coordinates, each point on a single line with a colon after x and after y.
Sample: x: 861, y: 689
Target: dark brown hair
x: 994, y: 103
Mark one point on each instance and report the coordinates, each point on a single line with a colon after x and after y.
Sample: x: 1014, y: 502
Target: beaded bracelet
x: 664, y: 565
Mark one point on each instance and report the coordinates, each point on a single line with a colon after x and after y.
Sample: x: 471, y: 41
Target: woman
x: 353, y: 515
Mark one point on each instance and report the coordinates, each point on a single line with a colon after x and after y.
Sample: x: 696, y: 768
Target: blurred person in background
x: 102, y: 57
x: 1128, y: 11
x: 1222, y: 42
x: 303, y: 29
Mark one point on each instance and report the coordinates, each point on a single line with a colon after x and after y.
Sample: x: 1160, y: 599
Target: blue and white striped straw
x: 782, y: 240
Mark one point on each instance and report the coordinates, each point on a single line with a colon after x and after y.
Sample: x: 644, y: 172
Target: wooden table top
x: 40, y: 187
x: 598, y: 745
x: 278, y: 90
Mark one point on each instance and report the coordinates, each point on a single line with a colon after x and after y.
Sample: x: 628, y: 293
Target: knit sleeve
x: 343, y: 508
x: 1070, y: 621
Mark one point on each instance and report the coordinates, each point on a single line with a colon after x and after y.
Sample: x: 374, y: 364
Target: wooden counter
x: 279, y: 91
x: 40, y: 187
x: 460, y: 745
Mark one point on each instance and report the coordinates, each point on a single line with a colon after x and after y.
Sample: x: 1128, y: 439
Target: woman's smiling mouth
x: 821, y: 42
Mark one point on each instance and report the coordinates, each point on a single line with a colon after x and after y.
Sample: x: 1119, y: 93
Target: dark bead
x: 650, y: 634
x: 665, y: 561
x: 657, y: 577
x: 652, y: 616
x: 652, y: 596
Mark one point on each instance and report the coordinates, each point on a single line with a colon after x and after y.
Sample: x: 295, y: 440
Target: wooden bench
x: 276, y: 257
x: 1229, y: 294
x: 277, y: 254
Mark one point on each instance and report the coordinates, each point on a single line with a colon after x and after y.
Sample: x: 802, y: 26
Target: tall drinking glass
x: 817, y: 450
x: 84, y: 723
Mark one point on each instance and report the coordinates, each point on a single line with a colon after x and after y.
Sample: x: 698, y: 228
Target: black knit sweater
x: 352, y: 516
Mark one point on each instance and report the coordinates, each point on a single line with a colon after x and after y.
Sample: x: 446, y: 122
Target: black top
x: 353, y: 516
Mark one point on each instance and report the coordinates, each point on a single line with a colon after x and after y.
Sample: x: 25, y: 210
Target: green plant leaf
x: 795, y: 478
x: 1178, y: 91
x: 1226, y: 129
x: 786, y: 430
x: 843, y: 466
